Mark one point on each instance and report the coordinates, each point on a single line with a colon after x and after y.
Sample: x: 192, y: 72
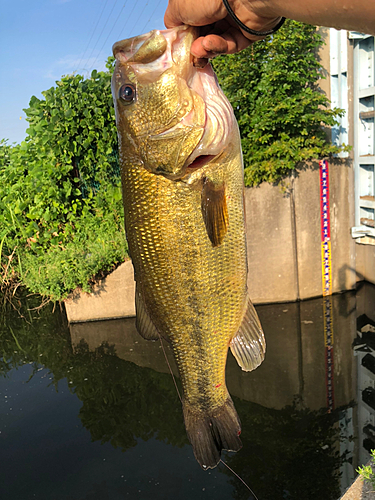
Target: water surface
x: 91, y: 411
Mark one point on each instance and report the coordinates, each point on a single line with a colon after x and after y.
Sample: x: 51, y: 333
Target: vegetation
x: 367, y: 472
x: 272, y: 87
x: 61, y: 215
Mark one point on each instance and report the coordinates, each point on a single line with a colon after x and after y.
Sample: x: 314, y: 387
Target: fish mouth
x: 199, y: 162
x: 219, y: 117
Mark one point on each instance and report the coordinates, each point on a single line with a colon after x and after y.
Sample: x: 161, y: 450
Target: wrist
x: 257, y: 15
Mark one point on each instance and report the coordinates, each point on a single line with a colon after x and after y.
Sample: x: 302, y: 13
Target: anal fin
x: 248, y: 346
x: 144, y: 324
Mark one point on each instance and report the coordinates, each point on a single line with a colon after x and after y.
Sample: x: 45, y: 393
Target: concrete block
x: 365, y: 259
x: 308, y: 229
x: 308, y: 234
x: 272, y: 273
x: 359, y: 490
x: 112, y: 297
x: 342, y: 220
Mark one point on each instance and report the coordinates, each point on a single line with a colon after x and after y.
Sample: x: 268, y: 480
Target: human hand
x: 219, y: 33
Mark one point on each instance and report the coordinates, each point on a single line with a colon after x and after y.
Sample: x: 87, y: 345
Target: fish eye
x: 127, y: 93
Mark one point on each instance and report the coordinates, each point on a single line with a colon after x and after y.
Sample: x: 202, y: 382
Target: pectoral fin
x: 248, y: 346
x: 143, y: 323
x: 214, y: 211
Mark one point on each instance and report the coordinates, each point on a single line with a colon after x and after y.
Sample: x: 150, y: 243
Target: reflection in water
x: 297, y: 444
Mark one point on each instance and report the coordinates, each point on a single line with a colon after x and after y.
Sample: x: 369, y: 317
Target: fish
x: 183, y: 195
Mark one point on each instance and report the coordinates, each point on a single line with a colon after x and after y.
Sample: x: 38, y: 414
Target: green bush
x: 61, y: 214
x: 272, y: 87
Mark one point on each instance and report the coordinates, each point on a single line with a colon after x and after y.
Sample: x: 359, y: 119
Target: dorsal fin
x: 214, y: 211
x: 248, y: 346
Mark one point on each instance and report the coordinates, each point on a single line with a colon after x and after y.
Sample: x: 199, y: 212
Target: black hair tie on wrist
x: 249, y: 30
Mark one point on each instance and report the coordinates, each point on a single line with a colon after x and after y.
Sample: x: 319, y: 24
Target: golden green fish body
x: 194, y: 292
x: 184, y: 221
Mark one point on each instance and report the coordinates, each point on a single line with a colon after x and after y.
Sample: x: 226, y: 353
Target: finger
x: 230, y: 42
x: 236, y: 40
x: 199, y: 63
x: 171, y: 20
x: 178, y: 13
x: 200, y: 52
x: 215, y: 44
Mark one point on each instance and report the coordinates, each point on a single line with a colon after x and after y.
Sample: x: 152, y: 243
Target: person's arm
x: 356, y: 15
x: 220, y: 34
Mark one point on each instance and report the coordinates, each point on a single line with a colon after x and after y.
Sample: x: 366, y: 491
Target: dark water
x: 92, y: 413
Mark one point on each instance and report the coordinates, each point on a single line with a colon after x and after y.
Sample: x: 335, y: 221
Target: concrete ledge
x: 112, y: 297
x: 359, y: 490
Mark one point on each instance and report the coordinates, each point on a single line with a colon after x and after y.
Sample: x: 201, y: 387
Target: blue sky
x: 41, y: 40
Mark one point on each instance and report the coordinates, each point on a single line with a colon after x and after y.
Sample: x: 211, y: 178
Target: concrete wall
x: 283, y: 243
x: 112, y: 297
x: 365, y: 259
x: 284, y: 240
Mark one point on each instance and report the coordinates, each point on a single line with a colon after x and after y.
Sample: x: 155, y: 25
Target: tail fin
x: 211, y: 432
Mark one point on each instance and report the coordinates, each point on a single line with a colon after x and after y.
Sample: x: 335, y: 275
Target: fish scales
x: 184, y: 222
x: 188, y: 291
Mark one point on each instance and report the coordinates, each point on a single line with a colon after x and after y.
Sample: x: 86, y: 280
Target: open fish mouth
x: 219, y: 116
x: 200, y: 161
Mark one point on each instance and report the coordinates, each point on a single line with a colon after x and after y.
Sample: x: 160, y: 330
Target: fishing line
x: 91, y: 37
x: 139, y: 17
x: 240, y: 478
x: 149, y: 19
x: 109, y: 34
x: 130, y: 15
x: 96, y: 43
x: 169, y: 366
x: 179, y: 395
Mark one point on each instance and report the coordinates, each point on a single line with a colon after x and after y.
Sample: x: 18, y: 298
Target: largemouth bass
x: 182, y: 179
